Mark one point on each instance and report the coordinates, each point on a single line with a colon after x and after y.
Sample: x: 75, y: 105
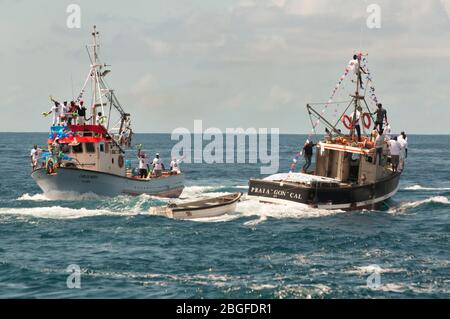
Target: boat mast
x: 356, y: 97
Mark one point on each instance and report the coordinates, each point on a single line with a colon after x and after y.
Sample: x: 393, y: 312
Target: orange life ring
x: 367, y: 121
x: 347, y: 122
x: 120, y: 161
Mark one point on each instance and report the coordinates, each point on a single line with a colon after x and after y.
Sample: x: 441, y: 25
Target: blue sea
x: 260, y: 251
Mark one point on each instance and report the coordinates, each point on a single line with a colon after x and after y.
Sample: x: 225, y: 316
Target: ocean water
x: 258, y: 252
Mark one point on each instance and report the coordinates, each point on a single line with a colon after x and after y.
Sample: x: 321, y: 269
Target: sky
x: 230, y: 63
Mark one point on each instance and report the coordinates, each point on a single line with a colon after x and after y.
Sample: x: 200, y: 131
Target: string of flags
x: 369, y: 79
x: 350, y: 67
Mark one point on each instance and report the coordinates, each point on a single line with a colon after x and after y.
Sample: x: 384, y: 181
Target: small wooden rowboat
x: 209, y: 207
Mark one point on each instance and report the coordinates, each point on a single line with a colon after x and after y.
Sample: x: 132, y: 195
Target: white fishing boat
x: 89, y: 155
x: 204, y: 208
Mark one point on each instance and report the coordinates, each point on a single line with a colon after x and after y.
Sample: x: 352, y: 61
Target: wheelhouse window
x: 102, y: 147
x: 77, y: 149
x: 90, y: 147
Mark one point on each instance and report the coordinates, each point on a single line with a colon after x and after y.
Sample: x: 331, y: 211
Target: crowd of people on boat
x: 381, y: 140
x: 70, y: 113
x: 156, y: 167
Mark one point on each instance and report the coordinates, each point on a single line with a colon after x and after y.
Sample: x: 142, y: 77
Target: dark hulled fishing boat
x: 347, y: 175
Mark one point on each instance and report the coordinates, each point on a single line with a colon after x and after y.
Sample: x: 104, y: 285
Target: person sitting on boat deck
x: 379, y: 147
x: 394, y: 150
x: 34, y: 156
x: 356, y: 119
x: 403, y: 139
x: 308, y: 153
x: 100, y: 119
x: 157, y: 166
x: 144, y: 166
x: 175, y: 166
x: 381, y: 116
x: 81, y: 111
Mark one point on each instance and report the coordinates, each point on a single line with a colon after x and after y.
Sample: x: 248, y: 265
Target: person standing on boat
x: 356, y: 119
x: 157, y: 166
x: 394, y: 150
x: 63, y: 113
x: 100, y: 119
x: 81, y: 111
x: 379, y: 147
x: 308, y: 153
x: 144, y: 166
x: 175, y: 166
x: 34, y: 156
x: 71, y: 113
x: 403, y: 139
x: 381, y: 116
x: 55, y: 110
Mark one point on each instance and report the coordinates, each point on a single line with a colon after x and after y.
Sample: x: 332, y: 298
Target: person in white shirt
x: 143, y: 165
x: 357, y: 69
x: 175, y: 166
x: 387, y: 132
x: 356, y: 119
x: 394, y: 149
x: 404, y: 148
x: 403, y: 139
x: 62, y: 113
x: 34, y: 156
x: 55, y: 110
x: 157, y: 166
x: 379, y: 140
x: 100, y: 119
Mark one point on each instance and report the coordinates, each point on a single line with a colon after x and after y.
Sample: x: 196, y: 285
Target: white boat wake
x: 129, y: 206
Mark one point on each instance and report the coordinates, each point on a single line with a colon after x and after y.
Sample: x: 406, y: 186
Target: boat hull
x: 370, y: 196
x: 104, y: 184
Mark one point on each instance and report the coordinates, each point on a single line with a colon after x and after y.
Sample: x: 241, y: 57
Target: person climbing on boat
x: 308, y: 153
x: 34, y: 156
x: 157, y: 166
x: 394, y: 150
x: 381, y: 116
x: 144, y: 166
x: 357, y: 68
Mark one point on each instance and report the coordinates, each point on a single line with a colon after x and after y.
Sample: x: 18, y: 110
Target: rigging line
x: 329, y: 103
x: 312, y: 124
x: 71, y: 82
x: 340, y: 117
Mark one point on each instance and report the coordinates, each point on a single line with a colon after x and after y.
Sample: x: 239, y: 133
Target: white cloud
x: 159, y: 48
